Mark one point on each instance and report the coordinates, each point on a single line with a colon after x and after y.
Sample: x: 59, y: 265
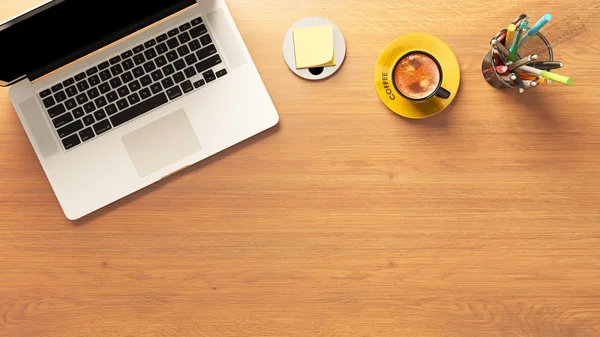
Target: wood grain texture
x: 345, y: 220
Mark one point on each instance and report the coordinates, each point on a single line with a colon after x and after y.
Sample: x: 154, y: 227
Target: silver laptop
x: 115, y: 96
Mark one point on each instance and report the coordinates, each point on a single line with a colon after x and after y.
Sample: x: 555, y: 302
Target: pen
x: 522, y: 62
x: 551, y: 76
x: 519, y: 83
x: 515, y: 45
x: 502, y: 70
x: 502, y: 49
x: 536, y: 28
x: 547, y: 65
x: 510, y: 35
x: 530, y: 84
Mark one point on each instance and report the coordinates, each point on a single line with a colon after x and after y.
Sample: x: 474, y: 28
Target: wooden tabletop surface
x: 346, y: 219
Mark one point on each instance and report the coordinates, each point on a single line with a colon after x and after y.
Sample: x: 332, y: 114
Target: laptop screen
x: 61, y: 31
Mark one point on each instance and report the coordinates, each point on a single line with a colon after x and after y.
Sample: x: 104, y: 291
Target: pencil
x: 522, y: 62
x: 536, y: 28
x: 515, y: 45
x: 551, y: 76
x: 510, y: 35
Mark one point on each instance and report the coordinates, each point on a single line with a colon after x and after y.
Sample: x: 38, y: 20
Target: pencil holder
x: 537, y: 44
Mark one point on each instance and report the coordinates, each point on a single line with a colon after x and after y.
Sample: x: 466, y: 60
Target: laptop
x: 115, y: 97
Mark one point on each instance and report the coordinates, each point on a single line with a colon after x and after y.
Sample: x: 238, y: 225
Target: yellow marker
x: 510, y: 35
x: 314, y: 47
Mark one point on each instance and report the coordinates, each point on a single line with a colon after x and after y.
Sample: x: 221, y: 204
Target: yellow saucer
x: 384, y: 78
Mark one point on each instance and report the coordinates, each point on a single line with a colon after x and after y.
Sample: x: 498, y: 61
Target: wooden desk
x: 346, y: 220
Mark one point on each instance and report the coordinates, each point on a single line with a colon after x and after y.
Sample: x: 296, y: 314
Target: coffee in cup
x: 418, y: 77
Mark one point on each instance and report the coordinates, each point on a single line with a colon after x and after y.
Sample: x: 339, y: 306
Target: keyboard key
x: 208, y: 63
x: 187, y: 86
x: 105, y: 75
x: 139, y: 109
x: 71, y: 142
x: 149, y: 66
x: 135, y: 86
x: 127, y: 54
x: 185, y: 26
x: 60, y: 96
x: 115, y: 60
x: 127, y: 77
x: 103, y: 65
x: 48, y: 102
x: 94, y: 80
x: 79, y: 77
x: 156, y: 88
x: 68, y: 82
x: 157, y: 75
x: 221, y: 72
x: 83, y: 85
x: 138, y: 71
x: 162, y: 38
x: 146, y: 80
x: 88, y: 120
x: 123, y: 104
x: 183, y: 50
x: 63, y: 119
x: 104, y: 88
x: 45, y: 93
x: 179, y: 64
x: 89, y: 107
x: 112, y: 96
x: 209, y: 76
x: 184, y: 38
x: 123, y: 91
x: 100, y: 114
x: 206, y: 52
x: 174, y: 92
x: 167, y: 83
x: 70, y: 128
x: 81, y: 98
x: 116, y: 82
x: 138, y: 49
x: 191, y: 59
x: 199, y: 84
x: 172, y: 56
x: 91, y: 71
x: 150, y: 54
x: 127, y: 64
x: 56, y: 111
x: 173, y: 32
x: 111, y: 109
x: 168, y: 70
x: 101, y: 102
x: 71, y: 91
x: 102, y: 127
x: 150, y: 43
x: 194, y: 45
x: 197, y: 31
x: 70, y: 104
x: 117, y: 69
x: 145, y: 93
x: 86, y: 134
x: 93, y: 93
x: 134, y: 99
x: 160, y: 61
x: 196, y: 21
x: 173, y: 43
x: 179, y: 77
x: 205, y: 39
x: 162, y: 48
x: 57, y: 87
x: 78, y: 113
x: 190, y: 72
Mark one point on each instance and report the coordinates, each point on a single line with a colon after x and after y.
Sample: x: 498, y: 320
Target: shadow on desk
x: 159, y: 184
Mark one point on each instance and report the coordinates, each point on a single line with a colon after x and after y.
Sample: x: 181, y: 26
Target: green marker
x: 515, y: 46
x: 546, y: 74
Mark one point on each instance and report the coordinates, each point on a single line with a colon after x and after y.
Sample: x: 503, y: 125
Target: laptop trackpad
x: 161, y: 143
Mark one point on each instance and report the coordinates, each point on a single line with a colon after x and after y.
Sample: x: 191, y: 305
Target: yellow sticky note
x: 314, y: 47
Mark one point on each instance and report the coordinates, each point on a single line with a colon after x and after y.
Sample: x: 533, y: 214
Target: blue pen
x: 536, y: 28
x: 515, y: 46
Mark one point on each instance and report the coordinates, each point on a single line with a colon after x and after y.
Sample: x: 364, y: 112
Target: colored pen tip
x: 547, y: 17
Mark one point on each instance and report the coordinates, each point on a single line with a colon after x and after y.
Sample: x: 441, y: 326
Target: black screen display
x: 63, y: 31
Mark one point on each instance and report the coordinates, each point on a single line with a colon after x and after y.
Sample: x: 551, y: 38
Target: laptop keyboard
x: 128, y: 85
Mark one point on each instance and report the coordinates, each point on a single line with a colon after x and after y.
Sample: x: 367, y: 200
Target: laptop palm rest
x: 161, y: 143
